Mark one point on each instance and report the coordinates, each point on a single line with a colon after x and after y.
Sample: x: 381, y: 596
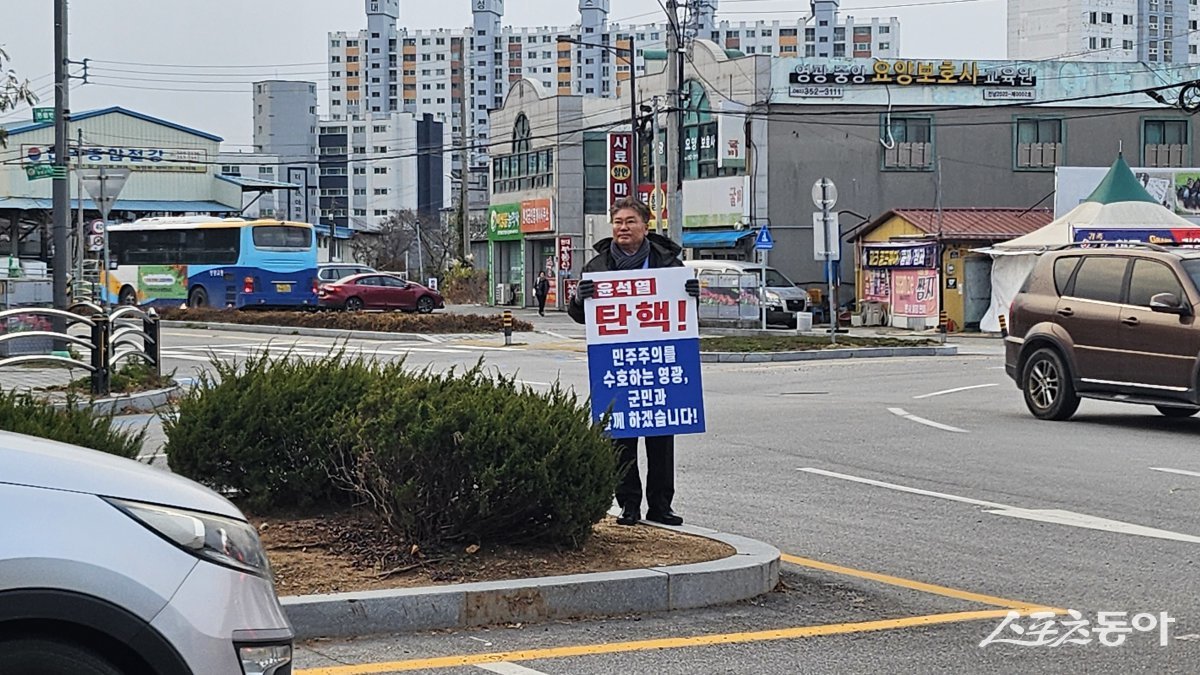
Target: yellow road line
x: 909, y: 583
x: 662, y: 643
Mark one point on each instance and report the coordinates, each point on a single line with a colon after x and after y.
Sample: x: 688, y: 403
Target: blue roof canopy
x: 714, y: 238
x: 80, y: 116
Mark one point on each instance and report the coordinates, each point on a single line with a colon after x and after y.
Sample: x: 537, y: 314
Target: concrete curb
x: 827, y: 354
x: 141, y: 402
x: 752, y: 571
x: 304, y: 332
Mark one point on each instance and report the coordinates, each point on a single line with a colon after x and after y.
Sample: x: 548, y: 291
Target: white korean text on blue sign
x: 644, y: 353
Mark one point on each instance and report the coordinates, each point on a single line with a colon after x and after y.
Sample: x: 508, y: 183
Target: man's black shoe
x: 628, y: 517
x: 667, y: 517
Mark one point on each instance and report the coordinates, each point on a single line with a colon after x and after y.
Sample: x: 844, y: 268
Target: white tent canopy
x: 1115, y: 204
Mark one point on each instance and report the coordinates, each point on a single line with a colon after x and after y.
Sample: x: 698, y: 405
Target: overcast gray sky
x: 286, y: 39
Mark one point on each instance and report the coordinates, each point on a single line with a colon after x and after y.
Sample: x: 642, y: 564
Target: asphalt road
x: 925, y: 469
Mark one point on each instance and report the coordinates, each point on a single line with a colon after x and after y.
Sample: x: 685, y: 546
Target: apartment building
x: 1153, y: 31
x: 383, y: 68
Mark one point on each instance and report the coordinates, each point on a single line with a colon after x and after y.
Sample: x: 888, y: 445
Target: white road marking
x: 506, y: 668
x: 901, y: 412
x: 1181, y: 472
x: 904, y: 488
x: 956, y: 390
x: 1055, y: 516
x: 534, y: 384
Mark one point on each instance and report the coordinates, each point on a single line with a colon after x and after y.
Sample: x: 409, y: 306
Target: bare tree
x: 383, y: 245
x: 13, y: 92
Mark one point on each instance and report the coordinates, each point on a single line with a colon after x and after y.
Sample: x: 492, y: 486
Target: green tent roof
x: 1120, y: 185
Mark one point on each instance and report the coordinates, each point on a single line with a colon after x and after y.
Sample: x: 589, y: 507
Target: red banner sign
x: 620, y: 166
x: 564, y: 254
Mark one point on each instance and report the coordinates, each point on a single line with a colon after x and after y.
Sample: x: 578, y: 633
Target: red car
x: 378, y: 291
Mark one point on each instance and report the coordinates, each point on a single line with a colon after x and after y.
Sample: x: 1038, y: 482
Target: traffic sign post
x: 824, y: 194
x: 764, y: 242
x: 104, y: 185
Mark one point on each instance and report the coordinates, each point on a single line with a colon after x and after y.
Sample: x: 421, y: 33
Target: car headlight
x: 773, y: 298
x: 224, y: 541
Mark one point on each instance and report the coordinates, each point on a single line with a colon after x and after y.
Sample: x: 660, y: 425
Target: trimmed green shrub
x: 78, y: 425
x: 475, y: 458
x: 387, y: 322
x: 442, y: 458
x: 263, y: 427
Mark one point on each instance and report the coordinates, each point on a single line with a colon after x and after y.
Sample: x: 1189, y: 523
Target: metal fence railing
x: 111, y: 337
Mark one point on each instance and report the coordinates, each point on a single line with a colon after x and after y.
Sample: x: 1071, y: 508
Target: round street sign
x: 95, y: 242
x: 824, y: 193
x: 96, y: 227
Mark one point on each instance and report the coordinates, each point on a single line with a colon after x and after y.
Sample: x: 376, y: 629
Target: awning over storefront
x: 715, y: 238
x: 258, y: 184
x: 135, y: 205
x: 339, y: 231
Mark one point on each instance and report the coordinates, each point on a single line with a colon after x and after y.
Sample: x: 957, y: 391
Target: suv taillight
x: 248, y: 285
x: 316, y: 285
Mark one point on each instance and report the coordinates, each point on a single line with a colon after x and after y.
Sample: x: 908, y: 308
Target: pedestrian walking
x: 542, y: 290
x: 633, y: 247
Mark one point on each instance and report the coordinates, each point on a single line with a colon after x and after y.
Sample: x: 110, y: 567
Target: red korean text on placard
x: 612, y: 319
x: 626, y: 288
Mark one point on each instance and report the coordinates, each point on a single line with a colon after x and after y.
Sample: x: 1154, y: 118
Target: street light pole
x: 674, y: 124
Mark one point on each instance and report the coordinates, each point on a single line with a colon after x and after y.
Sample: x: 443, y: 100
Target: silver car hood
x: 788, y: 292
x: 37, y: 462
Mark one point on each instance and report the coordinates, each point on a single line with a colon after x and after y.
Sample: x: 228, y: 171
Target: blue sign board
x: 647, y: 388
x: 644, y: 353
x: 764, y: 241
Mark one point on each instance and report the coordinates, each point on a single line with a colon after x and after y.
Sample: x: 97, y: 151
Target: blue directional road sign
x: 764, y: 241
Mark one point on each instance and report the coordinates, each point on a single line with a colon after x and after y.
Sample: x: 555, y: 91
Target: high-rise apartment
x: 444, y: 72
x: 1153, y: 31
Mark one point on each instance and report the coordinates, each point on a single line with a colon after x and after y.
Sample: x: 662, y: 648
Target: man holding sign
x: 637, y: 300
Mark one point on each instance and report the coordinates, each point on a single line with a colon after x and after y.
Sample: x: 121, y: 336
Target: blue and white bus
x: 206, y: 261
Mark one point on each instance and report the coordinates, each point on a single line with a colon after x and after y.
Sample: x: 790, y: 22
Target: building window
x: 911, y: 141
x: 380, y: 170
x: 1165, y: 143
x: 1039, y: 143
x: 1106, y: 17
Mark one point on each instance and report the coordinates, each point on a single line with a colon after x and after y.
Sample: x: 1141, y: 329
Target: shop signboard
x: 716, y: 202
x: 180, y: 160
x: 914, y: 292
x: 1105, y: 237
x: 900, y: 256
x: 620, y: 166
x: 504, y: 222
x: 564, y: 254
x: 536, y: 216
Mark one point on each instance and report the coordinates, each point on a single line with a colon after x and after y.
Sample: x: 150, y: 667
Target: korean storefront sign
x: 536, y: 216
x: 901, y: 256
x: 181, y: 160
x: 644, y: 353
x: 298, y: 198
x: 1102, y: 238
x: 827, y: 81
x: 914, y: 293
x: 564, y: 255
x: 656, y: 199
x: 620, y: 166
x: 504, y: 222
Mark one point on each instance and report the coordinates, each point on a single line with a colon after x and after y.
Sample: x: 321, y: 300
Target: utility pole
x: 464, y: 194
x: 656, y: 161
x: 78, y: 248
x: 674, y: 124
x: 62, y: 191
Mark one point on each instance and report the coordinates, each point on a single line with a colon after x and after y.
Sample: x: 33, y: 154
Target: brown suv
x: 1117, y: 324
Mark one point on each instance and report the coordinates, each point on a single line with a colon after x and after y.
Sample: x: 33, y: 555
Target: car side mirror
x: 1169, y: 303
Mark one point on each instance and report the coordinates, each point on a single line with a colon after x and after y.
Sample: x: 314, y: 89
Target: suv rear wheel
x: 1176, y: 412
x: 1049, y: 391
